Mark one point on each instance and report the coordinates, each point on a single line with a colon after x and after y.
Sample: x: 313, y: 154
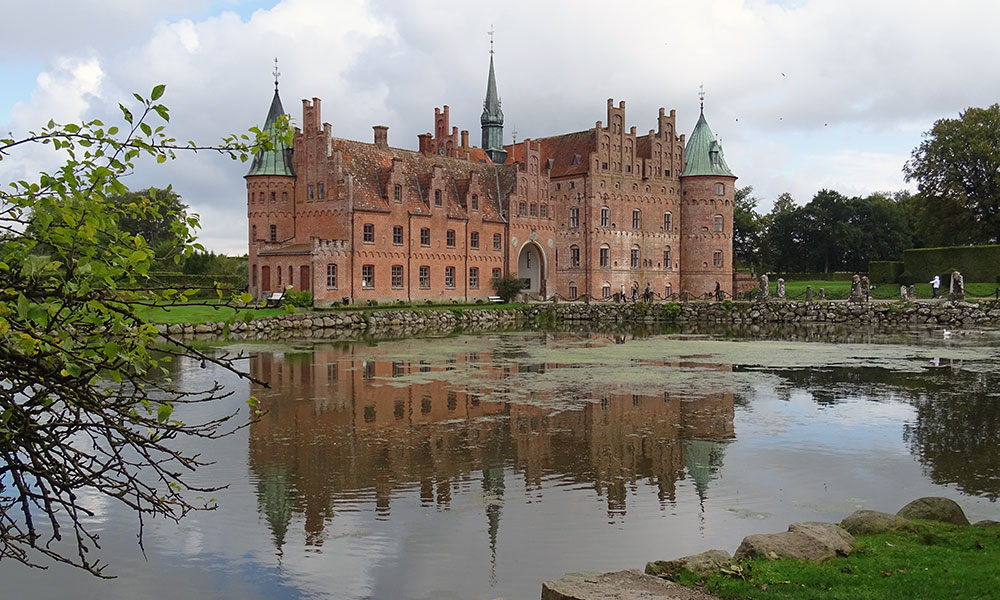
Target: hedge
x: 832, y: 276
x: 885, y: 271
x: 976, y: 263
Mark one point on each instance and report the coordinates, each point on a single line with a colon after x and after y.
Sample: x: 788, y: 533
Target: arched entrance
x: 530, y: 268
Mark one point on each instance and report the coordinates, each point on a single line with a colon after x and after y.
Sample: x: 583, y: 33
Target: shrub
x: 727, y: 304
x: 507, y: 287
x: 302, y: 298
x: 885, y: 271
x: 671, y: 310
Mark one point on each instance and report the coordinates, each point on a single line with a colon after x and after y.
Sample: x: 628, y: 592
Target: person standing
x: 935, y: 286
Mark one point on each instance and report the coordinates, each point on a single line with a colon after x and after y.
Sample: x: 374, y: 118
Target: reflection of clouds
x: 98, y: 504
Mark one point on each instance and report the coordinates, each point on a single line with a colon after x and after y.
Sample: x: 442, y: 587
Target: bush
x: 301, y: 298
x: 671, y: 310
x: 885, y: 271
x: 507, y: 287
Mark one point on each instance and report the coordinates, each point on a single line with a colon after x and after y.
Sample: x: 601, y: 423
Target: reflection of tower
x: 275, y: 498
x: 703, y: 459
x: 493, y: 488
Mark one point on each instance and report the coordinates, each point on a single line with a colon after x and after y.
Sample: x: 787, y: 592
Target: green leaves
x: 157, y: 92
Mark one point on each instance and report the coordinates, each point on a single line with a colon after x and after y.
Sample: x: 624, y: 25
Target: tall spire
x: 492, y: 117
x: 277, y: 160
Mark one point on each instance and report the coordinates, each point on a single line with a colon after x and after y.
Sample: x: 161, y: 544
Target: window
x: 474, y: 240
x: 496, y: 274
x: 290, y: 272
x: 606, y: 290
x: 310, y: 192
x: 437, y: 197
x: 668, y: 222
x: 522, y: 209
x: 397, y: 276
x: 668, y: 262
x: 369, y: 233
x: 397, y: 235
x: 605, y: 216
x: 399, y: 408
x: 717, y: 258
x: 605, y: 257
x: 368, y: 276
x: 397, y: 194
x: 450, y: 238
x: 572, y: 290
x: 273, y: 196
x: 253, y: 232
x: 279, y: 278
x: 284, y: 196
x: 497, y: 241
x: 425, y: 277
x: 574, y: 256
x: 449, y: 277
x: 533, y: 210
x: 720, y: 189
x: 253, y: 278
x: 718, y: 223
x: 331, y: 276
x: 474, y: 278
x: 262, y: 196
x: 668, y: 291
x: 544, y: 210
x: 274, y: 233
x: 628, y: 169
x: 475, y: 202
x: 425, y: 236
x: 574, y: 217
x: 604, y: 166
x: 320, y: 190
x: 636, y: 218
x: 666, y: 172
x: 635, y: 257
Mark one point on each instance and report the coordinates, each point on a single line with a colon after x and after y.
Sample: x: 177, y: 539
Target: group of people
x: 647, y: 294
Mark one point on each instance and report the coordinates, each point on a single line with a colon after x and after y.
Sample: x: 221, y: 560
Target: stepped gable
x: 563, y: 149
x: 370, y: 167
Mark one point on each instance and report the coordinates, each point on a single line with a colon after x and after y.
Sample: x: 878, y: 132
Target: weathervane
x: 701, y: 96
x: 276, y: 73
x: 491, y: 32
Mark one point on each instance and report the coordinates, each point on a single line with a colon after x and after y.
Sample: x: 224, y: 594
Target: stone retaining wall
x: 395, y: 323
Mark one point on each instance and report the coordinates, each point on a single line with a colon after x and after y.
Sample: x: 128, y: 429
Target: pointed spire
x: 492, y: 117
x: 278, y: 160
x: 703, y: 153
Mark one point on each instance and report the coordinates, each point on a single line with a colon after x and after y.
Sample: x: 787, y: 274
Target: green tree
x: 507, y: 287
x: 748, y: 228
x: 153, y: 214
x: 86, y: 404
x: 957, y: 170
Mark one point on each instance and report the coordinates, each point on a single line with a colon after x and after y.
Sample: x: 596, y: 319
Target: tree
x: 86, y: 404
x: 507, y: 287
x: 156, y: 226
x: 748, y: 228
x: 957, y: 170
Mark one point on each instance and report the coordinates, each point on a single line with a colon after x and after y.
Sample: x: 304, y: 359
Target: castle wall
x: 701, y: 237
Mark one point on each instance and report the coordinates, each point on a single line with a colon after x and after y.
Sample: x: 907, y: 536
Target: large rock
x: 862, y: 522
x: 933, y: 508
x: 620, y: 585
x: 703, y: 564
x: 803, y: 541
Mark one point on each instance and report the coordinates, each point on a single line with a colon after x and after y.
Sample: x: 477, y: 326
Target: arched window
x: 636, y: 218
x: 668, y: 221
x: 605, y: 256
x: 717, y: 258
x: 668, y: 256
x: 720, y: 189
x: 605, y: 216
x: 574, y: 256
x: 717, y: 223
x: 606, y: 290
x: 572, y: 290
x: 635, y: 257
x: 274, y: 233
x: 668, y: 291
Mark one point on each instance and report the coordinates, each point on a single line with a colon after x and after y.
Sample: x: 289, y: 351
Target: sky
x: 803, y: 94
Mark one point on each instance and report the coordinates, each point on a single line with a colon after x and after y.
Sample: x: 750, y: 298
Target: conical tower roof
x: 277, y: 160
x: 703, y: 154
x: 491, y: 105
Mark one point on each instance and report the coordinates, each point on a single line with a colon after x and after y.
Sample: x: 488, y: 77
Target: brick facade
x: 591, y: 212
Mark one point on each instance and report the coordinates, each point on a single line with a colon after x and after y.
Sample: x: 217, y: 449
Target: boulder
x: 703, y: 564
x: 933, y: 508
x: 620, y: 585
x: 803, y: 541
x: 984, y: 523
x: 862, y: 522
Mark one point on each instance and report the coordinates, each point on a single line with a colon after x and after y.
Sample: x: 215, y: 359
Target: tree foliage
x: 748, y: 229
x: 957, y: 170
x: 157, y: 222
x: 86, y: 404
x: 507, y: 287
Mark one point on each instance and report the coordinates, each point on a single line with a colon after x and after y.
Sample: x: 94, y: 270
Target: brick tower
x: 707, y: 196
x: 270, y: 202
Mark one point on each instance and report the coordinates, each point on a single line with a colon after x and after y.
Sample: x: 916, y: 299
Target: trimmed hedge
x: 833, y: 276
x: 885, y: 271
x: 976, y: 263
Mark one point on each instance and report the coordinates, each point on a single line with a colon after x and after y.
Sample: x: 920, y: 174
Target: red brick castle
x: 585, y: 213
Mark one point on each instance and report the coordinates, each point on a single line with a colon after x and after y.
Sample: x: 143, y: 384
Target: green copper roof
x: 491, y: 106
x: 277, y: 161
x: 703, y: 155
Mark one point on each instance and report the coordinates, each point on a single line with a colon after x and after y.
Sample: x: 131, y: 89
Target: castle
x: 584, y: 214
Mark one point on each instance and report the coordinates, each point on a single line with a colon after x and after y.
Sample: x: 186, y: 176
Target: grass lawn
x: 840, y: 290
x: 928, y: 560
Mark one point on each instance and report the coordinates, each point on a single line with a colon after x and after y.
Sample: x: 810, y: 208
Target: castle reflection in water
x: 341, y: 427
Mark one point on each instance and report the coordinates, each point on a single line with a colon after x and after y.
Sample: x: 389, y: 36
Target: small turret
x: 492, y: 119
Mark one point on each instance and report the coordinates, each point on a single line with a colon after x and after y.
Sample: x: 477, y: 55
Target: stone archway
x: 531, y: 268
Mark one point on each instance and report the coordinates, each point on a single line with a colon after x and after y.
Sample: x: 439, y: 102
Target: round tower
x: 270, y: 204
x: 707, y: 198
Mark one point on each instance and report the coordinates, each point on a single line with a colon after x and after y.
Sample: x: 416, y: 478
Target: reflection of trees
x: 337, y: 432
x: 956, y: 433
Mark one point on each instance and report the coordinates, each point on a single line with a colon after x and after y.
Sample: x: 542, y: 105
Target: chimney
x: 465, y: 138
x: 381, y: 136
x: 424, y: 144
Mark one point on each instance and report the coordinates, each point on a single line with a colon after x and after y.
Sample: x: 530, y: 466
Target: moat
x: 479, y: 465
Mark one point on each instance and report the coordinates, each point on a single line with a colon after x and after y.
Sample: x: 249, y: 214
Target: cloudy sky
x: 805, y: 94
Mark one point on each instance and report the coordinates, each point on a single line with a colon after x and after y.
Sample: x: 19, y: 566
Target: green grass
x: 203, y: 313
x: 928, y: 560
x: 840, y: 290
